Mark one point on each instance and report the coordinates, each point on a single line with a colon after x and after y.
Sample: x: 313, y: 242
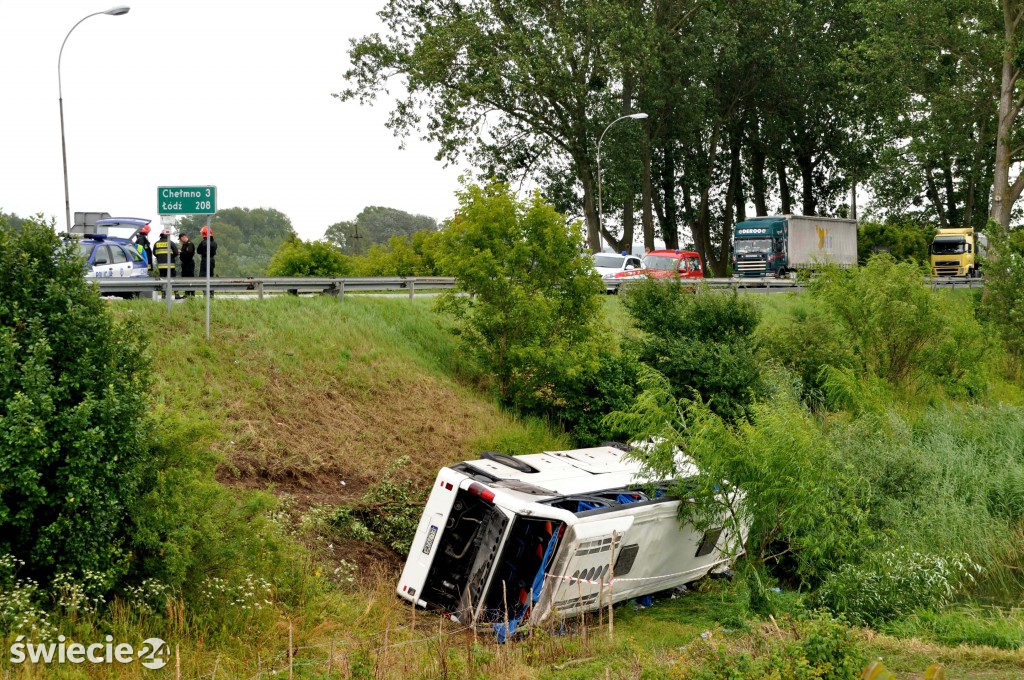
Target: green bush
x: 804, y: 504
x: 896, y: 583
x: 1003, y: 299
x: 899, y: 330
x: 823, y: 648
x: 701, y: 342
x: 388, y: 512
x: 74, y: 435
x: 581, y: 402
x: 527, y: 302
x: 905, y: 240
x: 804, y: 341
x: 411, y: 255
x: 296, y: 257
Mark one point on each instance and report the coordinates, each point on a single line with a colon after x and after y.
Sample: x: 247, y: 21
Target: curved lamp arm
x: 634, y: 116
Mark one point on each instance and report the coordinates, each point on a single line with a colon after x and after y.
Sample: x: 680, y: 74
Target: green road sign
x: 186, y: 200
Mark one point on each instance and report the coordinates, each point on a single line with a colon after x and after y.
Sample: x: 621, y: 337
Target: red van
x: 663, y: 264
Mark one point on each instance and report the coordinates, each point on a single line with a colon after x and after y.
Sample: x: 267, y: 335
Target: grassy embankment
x: 297, y: 396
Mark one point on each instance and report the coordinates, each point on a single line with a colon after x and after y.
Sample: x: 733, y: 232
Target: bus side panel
x: 654, y: 553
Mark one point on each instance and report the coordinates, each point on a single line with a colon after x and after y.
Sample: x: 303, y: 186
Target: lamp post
x: 634, y: 116
x: 113, y: 11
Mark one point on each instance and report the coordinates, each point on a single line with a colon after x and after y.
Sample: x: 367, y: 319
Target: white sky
x: 233, y: 93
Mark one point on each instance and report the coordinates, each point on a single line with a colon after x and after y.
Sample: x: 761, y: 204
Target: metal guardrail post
x: 412, y: 289
x: 341, y: 290
x: 259, y: 290
x: 168, y: 295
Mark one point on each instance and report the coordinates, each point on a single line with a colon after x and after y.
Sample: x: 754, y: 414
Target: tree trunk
x: 670, y: 226
x: 702, y: 227
x: 784, y: 194
x: 1005, y: 194
x: 717, y: 261
x: 626, y: 242
x: 975, y: 178
x: 646, y: 216
x: 933, y: 196
x: 758, y: 180
x: 806, y: 163
x: 947, y: 177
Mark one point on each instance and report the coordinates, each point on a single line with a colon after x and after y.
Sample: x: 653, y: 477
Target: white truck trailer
x: 780, y: 244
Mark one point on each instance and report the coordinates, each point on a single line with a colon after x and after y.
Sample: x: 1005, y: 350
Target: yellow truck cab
x: 954, y: 252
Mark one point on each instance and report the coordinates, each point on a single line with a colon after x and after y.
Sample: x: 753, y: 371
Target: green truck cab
x: 955, y: 252
x: 777, y: 245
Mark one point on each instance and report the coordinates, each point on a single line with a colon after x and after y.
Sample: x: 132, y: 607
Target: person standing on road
x: 142, y: 240
x: 166, y: 253
x: 187, y: 255
x: 207, y: 251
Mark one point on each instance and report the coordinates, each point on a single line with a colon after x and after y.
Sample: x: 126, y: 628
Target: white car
x: 610, y: 264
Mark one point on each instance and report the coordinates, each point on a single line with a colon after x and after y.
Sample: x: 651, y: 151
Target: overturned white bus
x: 524, y: 538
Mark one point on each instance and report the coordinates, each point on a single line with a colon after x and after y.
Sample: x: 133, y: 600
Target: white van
x: 535, y: 536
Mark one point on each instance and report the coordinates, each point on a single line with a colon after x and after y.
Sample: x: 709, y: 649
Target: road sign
x: 186, y: 200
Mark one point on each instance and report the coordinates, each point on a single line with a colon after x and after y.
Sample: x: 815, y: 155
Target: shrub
x: 821, y: 647
x: 581, y: 402
x: 905, y: 240
x: 408, y: 255
x: 701, y: 343
x: 527, y: 302
x: 803, y: 503
x: 805, y: 341
x: 895, y: 583
x: 1003, y: 299
x: 296, y: 257
x: 899, y: 330
x: 388, y: 513
x: 73, y: 424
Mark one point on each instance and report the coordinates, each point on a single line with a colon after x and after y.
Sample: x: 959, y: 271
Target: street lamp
x: 114, y: 12
x: 634, y: 116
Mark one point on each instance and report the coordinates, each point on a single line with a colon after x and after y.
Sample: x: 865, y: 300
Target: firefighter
x: 166, y: 253
x: 207, y: 249
x: 142, y: 245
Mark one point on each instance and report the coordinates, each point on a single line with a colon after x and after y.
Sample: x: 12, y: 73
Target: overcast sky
x: 231, y: 93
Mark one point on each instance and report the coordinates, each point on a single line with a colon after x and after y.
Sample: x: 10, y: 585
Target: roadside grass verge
x: 311, y: 392
x: 295, y: 395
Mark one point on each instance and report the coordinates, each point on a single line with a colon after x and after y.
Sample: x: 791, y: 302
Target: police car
x: 110, y: 256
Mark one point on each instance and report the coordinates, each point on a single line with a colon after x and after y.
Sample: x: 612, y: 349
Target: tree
x: 376, y: 225
x: 512, y: 83
x: 934, y: 66
x: 296, y: 257
x: 527, y: 301
x: 414, y: 255
x: 247, y: 238
x: 75, y: 453
x: 1009, y: 137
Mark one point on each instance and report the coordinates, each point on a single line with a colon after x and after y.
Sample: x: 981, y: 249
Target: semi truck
x: 955, y: 252
x: 780, y: 244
